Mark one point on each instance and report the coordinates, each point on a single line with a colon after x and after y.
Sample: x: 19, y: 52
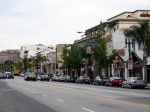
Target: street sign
x: 130, y: 64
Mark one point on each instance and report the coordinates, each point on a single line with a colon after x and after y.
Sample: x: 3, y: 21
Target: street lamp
x: 128, y: 43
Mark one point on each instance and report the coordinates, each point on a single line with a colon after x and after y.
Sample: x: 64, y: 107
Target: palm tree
x: 141, y: 34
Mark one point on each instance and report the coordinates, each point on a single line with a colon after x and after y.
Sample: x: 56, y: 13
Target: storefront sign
x: 130, y: 64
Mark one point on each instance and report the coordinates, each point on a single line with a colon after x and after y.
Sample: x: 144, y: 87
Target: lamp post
x: 128, y: 43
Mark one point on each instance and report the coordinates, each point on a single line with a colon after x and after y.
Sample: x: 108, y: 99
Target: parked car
x: 30, y: 76
x: 114, y: 81
x: 73, y: 79
x: 55, y: 77
x: 99, y: 80
x: 39, y: 77
x: 132, y: 82
x: 9, y: 75
x: 46, y: 78
x: 83, y: 79
x: 22, y: 74
x: 62, y: 78
x: 2, y: 76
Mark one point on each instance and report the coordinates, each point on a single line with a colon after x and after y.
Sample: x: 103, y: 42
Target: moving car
x: 114, y: 81
x: 99, y: 80
x: 132, y: 82
x: 30, y: 76
x: 83, y: 79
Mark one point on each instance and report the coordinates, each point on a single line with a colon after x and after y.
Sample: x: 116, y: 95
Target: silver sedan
x: 132, y: 82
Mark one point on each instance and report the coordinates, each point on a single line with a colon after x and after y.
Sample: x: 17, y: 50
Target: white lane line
x: 87, y: 109
x: 34, y: 91
x: 44, y: 95
x: 60, y: 100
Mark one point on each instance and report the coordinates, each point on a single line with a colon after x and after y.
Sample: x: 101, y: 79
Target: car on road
x: 55, y: 77
x: 132, y: 82
x: 2, y: 76
x: 40, y: 77
x: 30, y: 76
x: 83, y: 79
x: 114, y: 81
x: 9, y: 75
x: 99, y: 80
x: 46, y: 78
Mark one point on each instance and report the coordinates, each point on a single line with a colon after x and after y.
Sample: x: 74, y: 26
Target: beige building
x: 12, y: 55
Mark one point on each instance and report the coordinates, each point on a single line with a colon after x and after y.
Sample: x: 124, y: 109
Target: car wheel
x: 122, y: 85
x: 130, y: 86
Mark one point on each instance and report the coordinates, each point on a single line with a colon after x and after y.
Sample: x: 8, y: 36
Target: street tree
x: 65, y: 58
x: 100, y: 51
x: 25, y: 62
x: 141, y: 34
x: 75, y: 57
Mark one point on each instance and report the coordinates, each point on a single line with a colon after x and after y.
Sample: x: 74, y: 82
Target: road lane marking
x: 87, y: 109
x: 44, y: 94
x: 60, y: 100
x: 97, y: 95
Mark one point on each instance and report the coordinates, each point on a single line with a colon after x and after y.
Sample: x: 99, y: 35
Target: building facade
x: 12, y: 55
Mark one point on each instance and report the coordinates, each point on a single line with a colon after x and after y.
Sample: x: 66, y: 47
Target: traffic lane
x: 58, y: 95
x: 14, y: 101
x: 131, y: 96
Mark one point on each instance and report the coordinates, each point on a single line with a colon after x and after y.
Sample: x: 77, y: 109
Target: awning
x: 137, y: 61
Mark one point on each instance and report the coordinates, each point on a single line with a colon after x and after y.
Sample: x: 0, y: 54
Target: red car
x: 114, y: 81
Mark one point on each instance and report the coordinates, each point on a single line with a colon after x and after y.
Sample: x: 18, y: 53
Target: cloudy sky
x: 51, y: 22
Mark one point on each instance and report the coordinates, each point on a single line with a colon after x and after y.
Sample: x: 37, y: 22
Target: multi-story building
x: 118, y: 41
x: 33, y: 49
x: 12, y: 55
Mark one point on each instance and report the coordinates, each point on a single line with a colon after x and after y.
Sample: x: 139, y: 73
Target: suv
x: 30, y: 76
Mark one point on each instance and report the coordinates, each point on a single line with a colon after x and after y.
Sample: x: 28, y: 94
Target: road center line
x: 87, y: 109
x: 60, y: 100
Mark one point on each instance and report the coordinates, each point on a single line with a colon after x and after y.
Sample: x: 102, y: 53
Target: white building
x: 117, y: 41
x: 33, y: 49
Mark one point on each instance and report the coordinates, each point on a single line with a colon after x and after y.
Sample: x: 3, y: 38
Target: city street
x: 17, y: 95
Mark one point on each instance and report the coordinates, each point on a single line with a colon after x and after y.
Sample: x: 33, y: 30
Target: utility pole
x: 128, y: 43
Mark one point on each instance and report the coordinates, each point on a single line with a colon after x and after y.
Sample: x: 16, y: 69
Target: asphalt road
x: 17, y: 95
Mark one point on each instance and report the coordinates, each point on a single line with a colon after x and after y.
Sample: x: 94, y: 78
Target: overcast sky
x: 51, y: 22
